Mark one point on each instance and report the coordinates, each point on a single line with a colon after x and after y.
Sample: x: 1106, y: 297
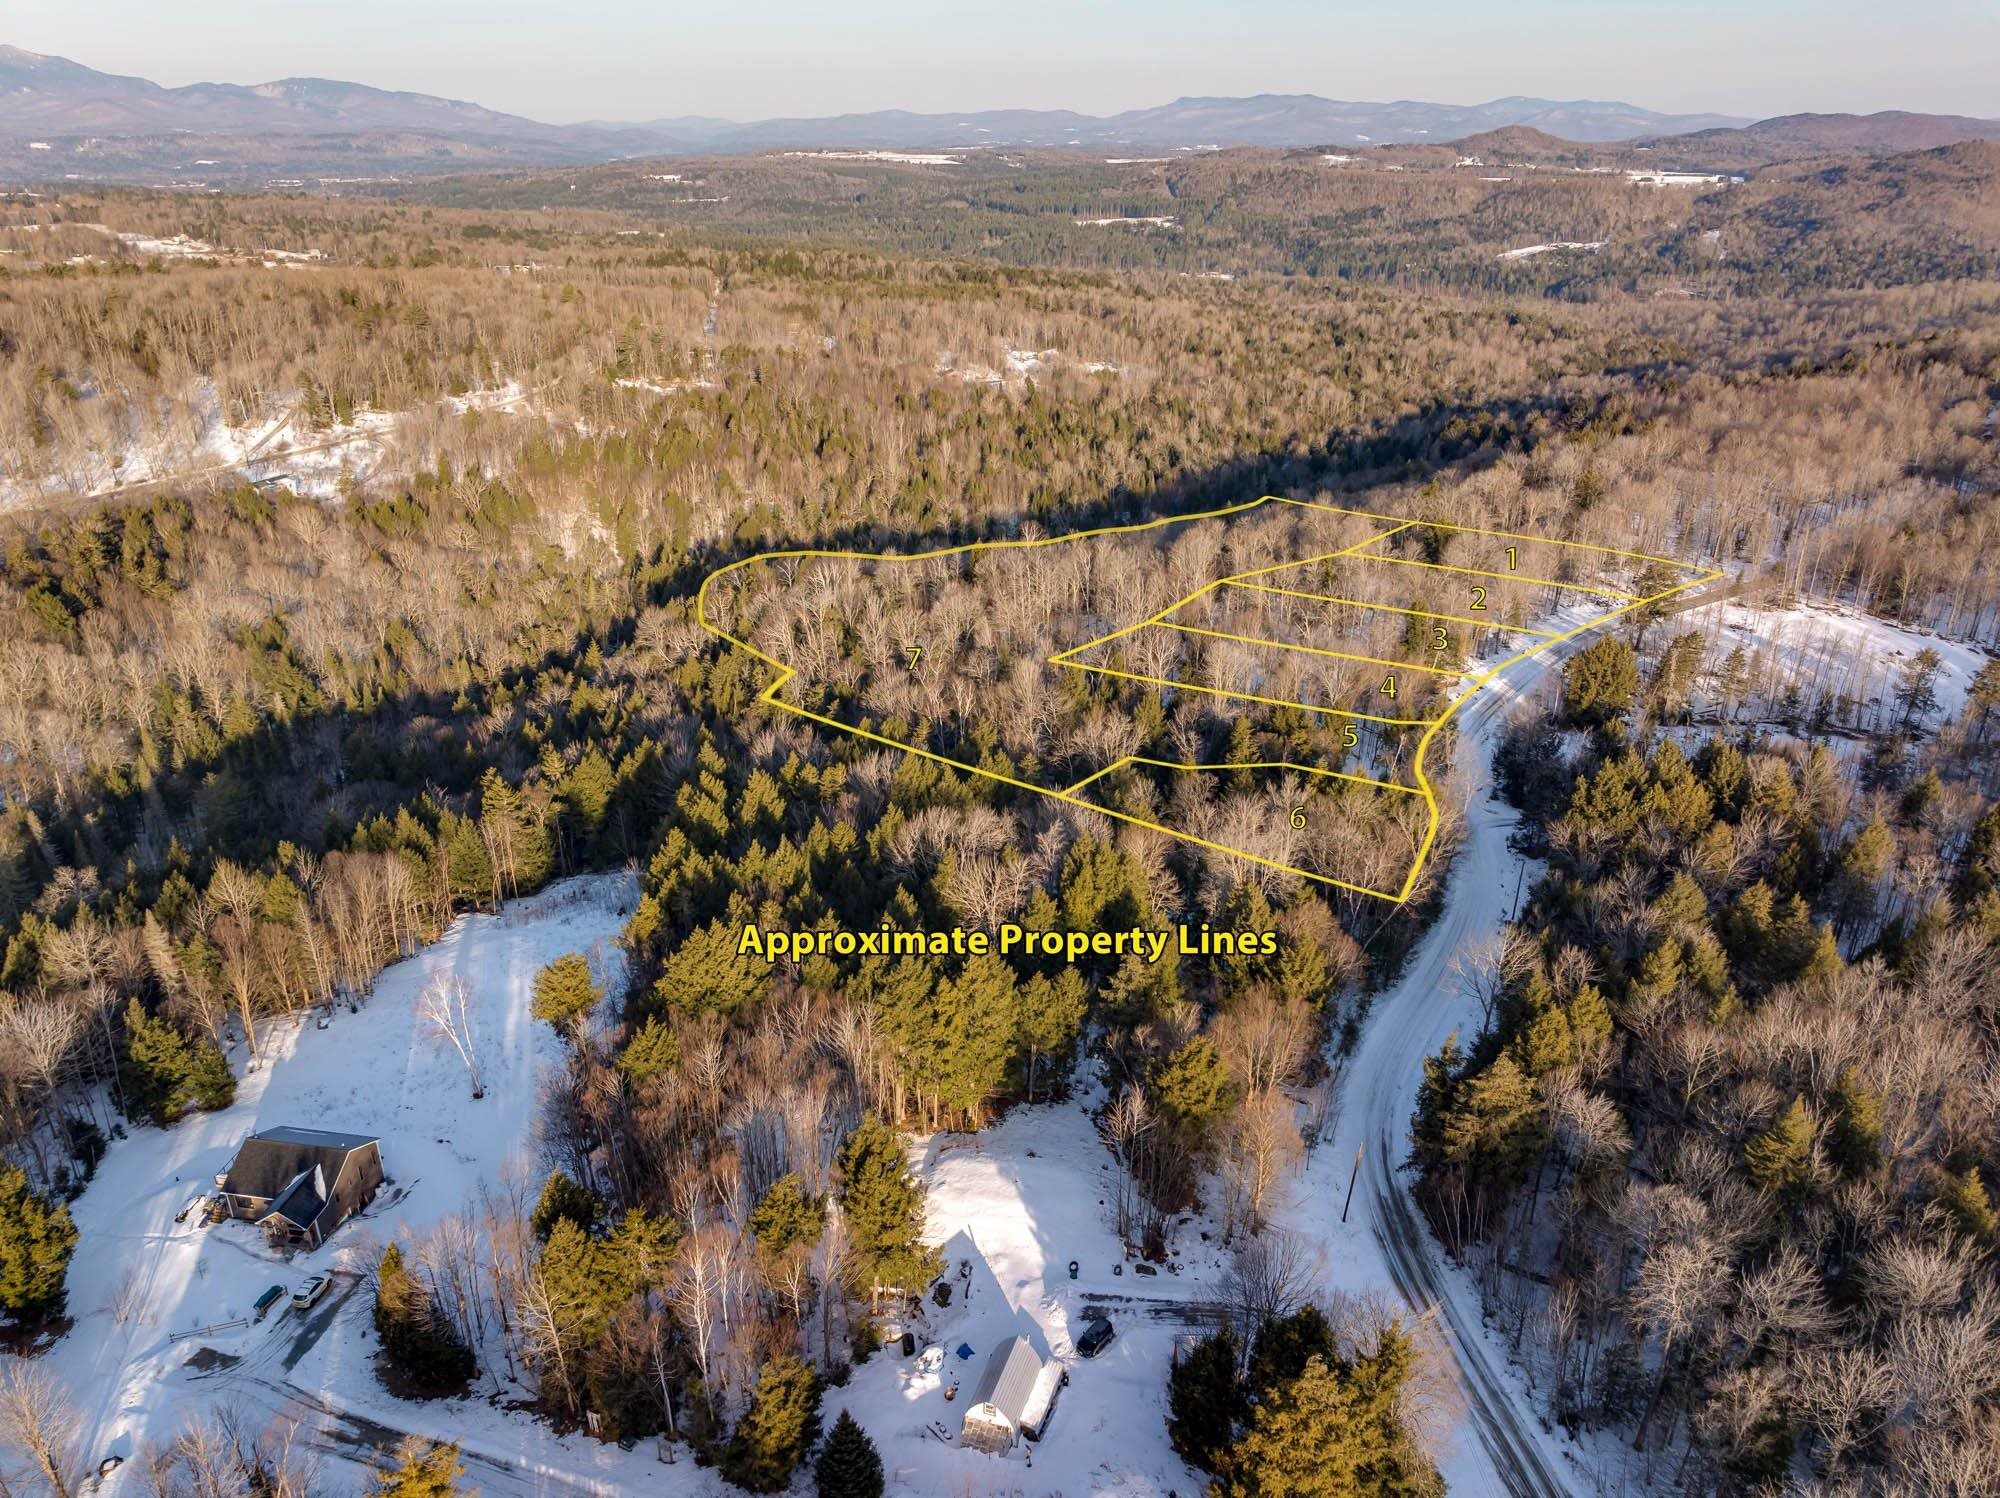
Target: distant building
x: 1012, y: 1399
x: 300, y: 1184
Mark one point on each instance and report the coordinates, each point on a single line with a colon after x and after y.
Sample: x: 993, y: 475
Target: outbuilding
x: 1012, y: 1399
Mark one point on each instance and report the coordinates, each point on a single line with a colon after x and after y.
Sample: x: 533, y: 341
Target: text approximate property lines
x: 1431, y: 727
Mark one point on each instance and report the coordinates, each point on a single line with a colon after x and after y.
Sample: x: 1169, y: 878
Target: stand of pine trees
x: 164, y: 1074
x: 418, y: 1340
x: 36, y: 1241
x: 1303, y: 1416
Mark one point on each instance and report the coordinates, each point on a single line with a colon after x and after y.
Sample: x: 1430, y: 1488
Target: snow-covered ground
x: 901, y: 158
x: 1010, y: 1208
x: 140, y: 1281
x: 196, y: 439
x: 1528, y: 251
x: 1839, y: 650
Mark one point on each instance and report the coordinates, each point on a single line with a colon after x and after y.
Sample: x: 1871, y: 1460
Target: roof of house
x: 1009, y: 1379
x: 301, y: 1202
x: 271, y: 1164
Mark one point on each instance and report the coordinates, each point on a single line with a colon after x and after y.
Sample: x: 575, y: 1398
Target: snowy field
x: 1010, y: 1208
x: 1842, y: 651
x: 140, y: 1281
x: 193, y: 438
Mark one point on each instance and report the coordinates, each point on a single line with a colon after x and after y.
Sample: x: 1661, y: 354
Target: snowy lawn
x: 1010, y: 1208
x: 139, y: 1278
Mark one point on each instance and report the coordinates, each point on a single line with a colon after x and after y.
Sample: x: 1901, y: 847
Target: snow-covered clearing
x: 1527, y: 251
x: 901, y: 158
x: 1011, y: 1208
x: 1018, y: 365
x: 140, y: 1280
x: 669, y: 387
x: 182, y: 246
x: 194, y: 438
x: 1158, y: 221
x: 1817, y: 651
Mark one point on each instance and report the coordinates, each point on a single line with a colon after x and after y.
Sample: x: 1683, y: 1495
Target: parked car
x: 268, y: 1299
x: 1096, y: 1337
x: 308, y: 1294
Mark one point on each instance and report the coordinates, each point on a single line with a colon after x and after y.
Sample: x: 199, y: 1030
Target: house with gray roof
x: 300, y: 1184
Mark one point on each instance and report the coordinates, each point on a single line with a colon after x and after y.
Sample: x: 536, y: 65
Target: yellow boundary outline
x: 1431, y: 727
x: 1337, y: 655
x: 1390, y: 608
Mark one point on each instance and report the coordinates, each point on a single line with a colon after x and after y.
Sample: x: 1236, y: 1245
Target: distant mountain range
x: 100, y: 124
x: 61, y: 119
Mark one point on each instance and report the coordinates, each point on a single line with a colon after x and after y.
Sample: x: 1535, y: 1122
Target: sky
x: 575, y: 60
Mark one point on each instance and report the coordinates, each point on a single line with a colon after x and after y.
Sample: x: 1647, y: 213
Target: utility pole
x: 1351, y: 1177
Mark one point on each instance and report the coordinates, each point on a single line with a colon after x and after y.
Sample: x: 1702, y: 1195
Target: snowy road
x: 1385, y: 1244
x: 1513, y: 1455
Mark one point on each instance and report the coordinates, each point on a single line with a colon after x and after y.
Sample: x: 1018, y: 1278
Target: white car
x: 309, y: 1293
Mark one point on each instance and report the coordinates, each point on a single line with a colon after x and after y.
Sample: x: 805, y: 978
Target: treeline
x: 1721, y: 1153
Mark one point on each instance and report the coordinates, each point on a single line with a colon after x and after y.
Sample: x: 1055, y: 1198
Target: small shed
x: 998, y: 1413
x: 300, y: 1184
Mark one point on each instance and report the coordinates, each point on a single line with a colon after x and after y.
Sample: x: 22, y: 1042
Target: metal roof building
x: 1001, y: 1399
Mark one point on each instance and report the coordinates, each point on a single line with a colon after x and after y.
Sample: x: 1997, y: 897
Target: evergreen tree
x: 1858, y: 1125
x: 1285, y: 1344
x: 1049, y: 1013
x: 848, y: 1466
x: 1497, y: 1129
x: 418, y: 1340
x: 787, y: 1217
x: 165, y: 1074
x: 651, y: 1053
x: 36, y: 1241
x: 565, y: 992
x: 1965, y: 1198
x: 1780, y: 1158
x: 884, y: 1209
x: 1192, y: 1089
x: 468, y: 872
x: 705, y: 975
x: 1600, y: 683
x: 1206, y: 1400
x: 563, y: 1200
x: 777, y: 1430
x: 424, y: 1469
x: 1916, y: 686
x: 1302, y: 1441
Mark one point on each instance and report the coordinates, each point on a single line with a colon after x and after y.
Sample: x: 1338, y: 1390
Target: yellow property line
x: 1390, y: 608
x: 1338, y: 655
x: 1304, y: 707
x: 1431, y: 727
x: 1480, y: 530
x: 1255, y: 764
x: 1508, y: 577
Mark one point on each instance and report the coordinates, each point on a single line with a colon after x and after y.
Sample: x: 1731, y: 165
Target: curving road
x: 1514, y: 1455
x: 1386, y: 1243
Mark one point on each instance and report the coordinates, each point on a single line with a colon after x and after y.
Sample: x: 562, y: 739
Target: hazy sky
x: 567, y: 60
